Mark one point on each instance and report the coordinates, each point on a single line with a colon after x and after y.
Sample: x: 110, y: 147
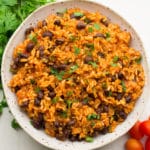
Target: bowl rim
x: 19, y: 28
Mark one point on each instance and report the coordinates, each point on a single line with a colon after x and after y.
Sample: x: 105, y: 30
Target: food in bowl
x: 75, y: 75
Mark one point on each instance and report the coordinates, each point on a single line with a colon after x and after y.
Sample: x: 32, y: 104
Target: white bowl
x: 22, y: 118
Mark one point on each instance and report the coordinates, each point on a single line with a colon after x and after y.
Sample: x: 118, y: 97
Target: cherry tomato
x: 133, y: 144
x: 147, y: 144
x: 145, y: 127
x: 135, y: 131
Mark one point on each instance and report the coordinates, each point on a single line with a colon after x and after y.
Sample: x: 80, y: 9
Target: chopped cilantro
x: 69, y: 103
x: 55, y: 100
x: 33, y: 37
x: 113, y: 64
x: 32, y: 81
x: 85, y: 100
x: 73, y: 68
x: 78, y: 14
x: 115, y: 59
x: 15, y: 125
x: 138, y: 60
x: 89, y: 139
x: 69, y: 93
x: 59, y: 75
x: 63, y: 114
x: 72, y: 38
x: 93, y: 64
x: 93, y: 116
x: 90, y: 46
x: 76, y: 50
x: 90, y: 29
x: 123, y: 86
x: 107, y: 35
x: 96, y: 26
x: 37, y: 89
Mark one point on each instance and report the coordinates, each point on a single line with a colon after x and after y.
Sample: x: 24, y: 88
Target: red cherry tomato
x: 147, y: 144
x: 135, y: 131
x: 133, y: 144
x: 145, y: 127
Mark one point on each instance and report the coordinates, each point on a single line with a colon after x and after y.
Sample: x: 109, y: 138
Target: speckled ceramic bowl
x: 22, y: 118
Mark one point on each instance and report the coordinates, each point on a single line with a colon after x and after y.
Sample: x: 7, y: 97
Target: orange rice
x: 75, y: 75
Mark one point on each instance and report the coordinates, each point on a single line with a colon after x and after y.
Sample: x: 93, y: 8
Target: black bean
x: 17, y: 88
x: 106, y: 92
x: 115, y: 117
x: 71, y: 122
x: 120, y: 76
x: 60, y: 67
x: 72, y: 138
x: 113, y: 78
x: 25, y: 104
x: 99, y: 35
x: 30, y: 46
x: 44, y: 23
x: 104, y: 130
x: 104, y: 22
x: 119, y: 96
x: 62, y: 96
x: 23, y: 55
x: 66, y: 132
x: 16, y: 60
x: 81, y: 25
x: 52, y: 48
x: 105, y: 108
x: 60, y: 137
x: 87, y: 59
x: 99, y: 110
x: 37, y: 102
x: 59, y: 41
x: 50, y: 88
x: 41, y: 50
x: 91, y: 95
x: 128, y: 98
x: 40, y: 95
x: 57, y: 22
x: 48, y: 34
x: 52, y: 94
x: 29, y: 30
x: 56, y: 124
x: 102, y: 55
x: 122, y: 114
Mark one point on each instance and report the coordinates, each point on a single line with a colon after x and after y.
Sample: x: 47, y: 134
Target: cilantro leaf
x: 78, y: 14
x: 76, y: 50
x: 15, y: 125
x: 73, y: 68
x: 96, y: 26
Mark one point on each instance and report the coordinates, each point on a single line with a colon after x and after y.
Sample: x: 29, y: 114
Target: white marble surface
x: 137, y: 13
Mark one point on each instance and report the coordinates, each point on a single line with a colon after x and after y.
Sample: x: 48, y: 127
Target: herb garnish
x: 123, y: 86
x: 73, y: 68
x: 138, y: 60
x: 59, y: 74
x: 78, y: 14
x: 76, y: 50
x: 90, y: 29
x: 89, y: 139
x: 93, y: 116
x: 93, y: 64
x: 96, y: 26
x: 15, y: 125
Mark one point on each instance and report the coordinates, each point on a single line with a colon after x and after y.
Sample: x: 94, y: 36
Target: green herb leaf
x: 76, y: 50
x: 32, y: 81
x: 72, y: 38
x: 73, y: 68
x: 55, y: 100
x: 115, y: 59
x: 93, y: 64
x: 90, y: 29
x: 96, y: 26
x: 138, y: 60
x: 123, y: 86
x: 69, y: 103
x: 107, y: 36
x: 1, y: 109
x: 86, y: 100
x: 64, y: 114
x: 15, y: 125
x: 3, y: 103
x: 113, y: 64
x: 69, y: 93
x: 93, y: 116
x: 78, y: 14
x: 59, y: 75
x: 33, y: 38
x: 89, y: 139
x: 90, y: 46
x: 37, y: 89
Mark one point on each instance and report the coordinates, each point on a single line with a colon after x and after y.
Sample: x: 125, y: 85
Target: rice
x: 75, y: 75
